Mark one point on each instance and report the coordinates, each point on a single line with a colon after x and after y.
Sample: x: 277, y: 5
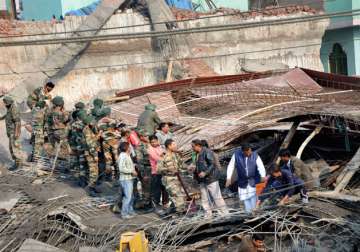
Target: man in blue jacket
x: 281, y: 185
x: 248, y: 166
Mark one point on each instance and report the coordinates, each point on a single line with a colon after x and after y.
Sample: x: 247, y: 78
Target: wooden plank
x: 307, y: 141
x: 351, y: 168
x: 290, y: 135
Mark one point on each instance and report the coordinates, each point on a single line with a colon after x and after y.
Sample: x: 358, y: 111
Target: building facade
x: 340, y: 50
x: 45, y: 9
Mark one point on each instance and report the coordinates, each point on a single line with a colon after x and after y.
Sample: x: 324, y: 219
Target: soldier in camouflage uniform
x: 37, y: 124
x: 144, y: 167
x: 13, y: 129
x: 109, y: 138
x: 96, y: 111
x: 80, y: 106
x: 39, y: 94
x: 57, y: 121
x: 91, y: 153
x: 169, y: 167
x: 77, y: 144
x: 149, y: 120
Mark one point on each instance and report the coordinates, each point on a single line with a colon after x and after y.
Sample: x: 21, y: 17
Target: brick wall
x: 259, y: 4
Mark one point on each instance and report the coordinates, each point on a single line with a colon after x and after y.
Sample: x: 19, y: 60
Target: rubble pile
x: 43, y: 203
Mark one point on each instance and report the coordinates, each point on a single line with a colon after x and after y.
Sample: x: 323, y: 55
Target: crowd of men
x: 103, y: 148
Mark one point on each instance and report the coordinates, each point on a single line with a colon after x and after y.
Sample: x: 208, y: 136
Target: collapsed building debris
x: 267, y: 110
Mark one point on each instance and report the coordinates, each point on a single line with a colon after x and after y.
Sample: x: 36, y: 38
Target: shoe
x: 208, y: 215
x: 82, y: 181
x: 126, y: 217
x: 91, y: 191
x: 305, y: 199
x: 170, y: 210
x: 13, y: 167
x: 115, y: 209
x: 133, y: 214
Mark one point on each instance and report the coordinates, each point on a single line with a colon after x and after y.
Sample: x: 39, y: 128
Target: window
x: 338, y: 60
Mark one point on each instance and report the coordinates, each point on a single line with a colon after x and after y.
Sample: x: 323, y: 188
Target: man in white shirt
x: 248, y: 166
x: 164, y: 134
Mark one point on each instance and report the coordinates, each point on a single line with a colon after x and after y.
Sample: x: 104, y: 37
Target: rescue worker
x: 144, y: 168
x: 149, y: 120
x: 281, y: 186
x: 207, y: 175
x: 79, y: 106
x: 156, y: 152
x: 296, y: 167
x: 250, y: 170
x: 109, y: 138
x: 40, y: 93
x: 76, y: 142
x: 37, y: 124
x: 96, y: 111
x: 13, y: 130
x: 91, y: 154
x: 169, y: 167
x: 57, y: 121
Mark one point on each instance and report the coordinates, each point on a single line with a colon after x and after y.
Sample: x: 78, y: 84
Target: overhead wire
x: 151, y: 34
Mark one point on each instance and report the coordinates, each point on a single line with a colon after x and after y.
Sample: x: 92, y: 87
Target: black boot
x: 91, y: 191
x: 82, y: 181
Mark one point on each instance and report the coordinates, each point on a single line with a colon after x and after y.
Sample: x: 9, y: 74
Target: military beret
x: 80, y: 105
x: 58, y: 101
x: 98, y: 102
x: 150, y: 107
x: 8, y: 100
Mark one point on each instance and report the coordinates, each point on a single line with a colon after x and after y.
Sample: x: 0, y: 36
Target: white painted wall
x: 2, y: 4
x: 127, y: 59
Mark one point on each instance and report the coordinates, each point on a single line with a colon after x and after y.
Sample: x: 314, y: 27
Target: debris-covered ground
x: 41, y: 205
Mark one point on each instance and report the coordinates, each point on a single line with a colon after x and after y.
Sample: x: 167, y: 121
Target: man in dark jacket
x: 207, y: 175
x: 297, y: 167
x: 281, y: 185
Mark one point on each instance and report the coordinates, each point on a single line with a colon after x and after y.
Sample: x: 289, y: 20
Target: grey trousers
x: 212, y: 191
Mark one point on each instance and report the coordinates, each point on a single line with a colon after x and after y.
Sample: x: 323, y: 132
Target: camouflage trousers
x: 37, y: 143
x: 15, y: 149
x: 93, y: 169
x: 79, y: 164
x: 146, y: 185
x: 85, y: 166
x: 111, y: 154
x: 175, y: 191
x: 59, y: 136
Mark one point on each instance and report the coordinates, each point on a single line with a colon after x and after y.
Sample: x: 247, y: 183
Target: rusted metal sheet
x: 196, y: 82
x: 334, y: 80
x: 302, y: 83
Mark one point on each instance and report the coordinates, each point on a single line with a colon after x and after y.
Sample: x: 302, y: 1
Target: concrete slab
x: 31, y: 245
x: 8, y: 200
